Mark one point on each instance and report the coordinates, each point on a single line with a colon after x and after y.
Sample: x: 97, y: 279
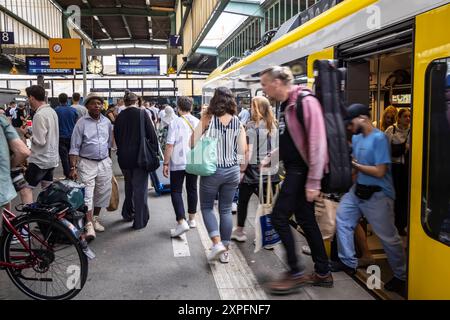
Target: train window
x: 436, y: 152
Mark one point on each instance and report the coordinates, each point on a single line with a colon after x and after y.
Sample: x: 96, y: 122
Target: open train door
x: 429, y: 241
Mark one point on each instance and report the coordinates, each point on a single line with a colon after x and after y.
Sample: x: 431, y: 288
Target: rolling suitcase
x: 160, y: 183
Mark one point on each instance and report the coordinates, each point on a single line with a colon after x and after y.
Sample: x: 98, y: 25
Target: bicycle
x: 43, y: 253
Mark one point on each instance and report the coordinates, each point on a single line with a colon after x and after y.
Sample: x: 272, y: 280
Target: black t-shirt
x: 288, y: 151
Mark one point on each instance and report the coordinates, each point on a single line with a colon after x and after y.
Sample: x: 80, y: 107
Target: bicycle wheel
x: 59, y: 269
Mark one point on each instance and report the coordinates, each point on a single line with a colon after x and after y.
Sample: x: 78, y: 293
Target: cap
x: 92, y: 96
x: 356, y: 110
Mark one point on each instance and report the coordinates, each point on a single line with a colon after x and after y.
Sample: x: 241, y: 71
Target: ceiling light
x: 104, y: 30
x: 147, y: 2
x: 96, y: 18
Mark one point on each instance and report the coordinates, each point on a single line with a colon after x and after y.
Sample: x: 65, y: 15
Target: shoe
x: 192, y: 224
x: 396, y: 285
x: 270, y: 246
x: 25, y: 237
x: 180, y: 229
x: 322, y: 281
x: 216, y: 251
x: 288, y: 283
x: 225, y: 257
x: 337, y: 266
x: 97, y: 226
x: 90, y: 231
x: 306, y: 250
x: 238, y: 236
x: 234, y: 208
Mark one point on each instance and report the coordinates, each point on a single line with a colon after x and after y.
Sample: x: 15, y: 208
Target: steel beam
x: 210, y: 51
x: 244, y: 8
x: 112, y: 12
x: 24, y: 22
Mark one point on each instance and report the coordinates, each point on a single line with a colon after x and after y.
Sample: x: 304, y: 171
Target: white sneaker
x: 97, y: 226
x: 225, y: 257
x: 234, y: 207
x: 90, y: 231
x: 180, y: 229
x: 192, y: 224
x: 216, y: 251
x: 238, y: 236
x: 306, y: 250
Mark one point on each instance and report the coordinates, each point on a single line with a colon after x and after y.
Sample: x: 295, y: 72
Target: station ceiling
x: 127, y: 21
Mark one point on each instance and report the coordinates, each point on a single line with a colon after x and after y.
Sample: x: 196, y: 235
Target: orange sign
x: 65, y: 53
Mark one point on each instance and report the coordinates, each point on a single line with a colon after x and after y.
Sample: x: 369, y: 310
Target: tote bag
x: 265, y: 234
x: 202, y: 159
x: 114, y: 201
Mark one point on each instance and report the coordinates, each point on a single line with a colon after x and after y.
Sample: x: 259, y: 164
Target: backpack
x: 329, y: 89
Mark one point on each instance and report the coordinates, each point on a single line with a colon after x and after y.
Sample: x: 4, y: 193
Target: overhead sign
x: 65, y: 53
x: 137, y: 65
x: 175, y: 41
x: 41, y: 66
x: 6, y: 37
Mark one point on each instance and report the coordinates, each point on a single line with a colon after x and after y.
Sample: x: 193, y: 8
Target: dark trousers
x: 136, y: 194
x: 64, y: 147
x: 176, y: 192
x: 292, y: 199
x: 246, y: 190
x: 400, y: 178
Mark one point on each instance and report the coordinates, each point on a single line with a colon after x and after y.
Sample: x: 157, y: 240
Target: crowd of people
x: 249, y: 146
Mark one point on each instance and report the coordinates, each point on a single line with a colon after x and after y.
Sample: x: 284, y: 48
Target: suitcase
x: 160, y: 183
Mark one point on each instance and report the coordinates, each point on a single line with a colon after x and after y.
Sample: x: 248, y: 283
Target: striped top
x: 227, y: 141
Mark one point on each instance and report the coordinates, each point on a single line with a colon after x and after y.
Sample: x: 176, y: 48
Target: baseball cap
x: 356, y: 110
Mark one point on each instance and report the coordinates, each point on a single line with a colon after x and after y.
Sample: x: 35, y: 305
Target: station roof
x: 125, y: 21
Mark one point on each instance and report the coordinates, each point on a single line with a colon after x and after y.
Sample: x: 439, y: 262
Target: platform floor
x: 149, y: 265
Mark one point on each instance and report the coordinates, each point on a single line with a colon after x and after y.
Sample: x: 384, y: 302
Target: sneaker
x: 97, y: 226
x: 234, y: 208
x: 288, y: 283
x: 225, y: 257
x: 337, y: 266
x: 192, y: 224
x: 180, y: 229
x: 216, y: 251
x: 24, y: 235
x: 396, y: 285
x: 322, y: 281
x: 90, y: 231
x: 238, y: 236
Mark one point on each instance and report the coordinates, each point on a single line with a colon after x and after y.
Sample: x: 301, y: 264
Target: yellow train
x: 396, y: 52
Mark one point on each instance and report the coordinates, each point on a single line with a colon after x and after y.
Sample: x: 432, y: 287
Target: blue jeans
x: 224, y: 183
x: 379, y: 212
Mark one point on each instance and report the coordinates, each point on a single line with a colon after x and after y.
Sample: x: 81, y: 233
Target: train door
x: 429, y: 252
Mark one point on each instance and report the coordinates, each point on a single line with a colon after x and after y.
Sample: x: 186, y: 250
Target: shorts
x: 34, y: 175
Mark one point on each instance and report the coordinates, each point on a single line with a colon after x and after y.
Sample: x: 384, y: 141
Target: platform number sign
x: 6, y: 37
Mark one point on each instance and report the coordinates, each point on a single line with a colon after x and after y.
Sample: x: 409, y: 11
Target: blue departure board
x: 41, y: 66
x: 137, y: 65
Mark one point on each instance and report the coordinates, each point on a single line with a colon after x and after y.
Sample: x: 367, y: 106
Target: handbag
x: 114, y: 201
x: 265, y: 234
x: 365, y: 192
x: 325, y: 212
x: 398, y: 149
x: 147, y: 156
x: 202, y: 159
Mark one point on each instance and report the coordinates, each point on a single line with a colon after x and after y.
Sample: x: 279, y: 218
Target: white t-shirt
x: 179, y: 135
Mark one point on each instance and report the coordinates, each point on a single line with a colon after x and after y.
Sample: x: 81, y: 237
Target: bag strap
x: 188, y: 123
x: 269, y: 191
x: 143, y: 113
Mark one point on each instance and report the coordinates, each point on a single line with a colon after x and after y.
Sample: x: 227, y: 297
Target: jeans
x: 292, y: 199
x: 176, y: 193
x: 64, y: 147
x: 379, y: 212
x: 224, y: 183
x: 135, y: 205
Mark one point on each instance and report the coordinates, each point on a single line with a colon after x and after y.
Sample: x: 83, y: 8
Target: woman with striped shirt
x: 223, y: 124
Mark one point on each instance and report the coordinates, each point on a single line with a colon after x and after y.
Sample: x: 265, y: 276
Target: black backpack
x: 329, y: 90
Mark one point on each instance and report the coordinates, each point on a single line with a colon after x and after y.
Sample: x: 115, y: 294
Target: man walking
x: 304, y: 153
x: 90, y: 161
x: 44, y: 144
x: 81, y: 110
x: 67, y: 117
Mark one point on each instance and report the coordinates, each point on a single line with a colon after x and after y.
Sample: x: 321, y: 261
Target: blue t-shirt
x: 67, y: 118
x: 374, y: 150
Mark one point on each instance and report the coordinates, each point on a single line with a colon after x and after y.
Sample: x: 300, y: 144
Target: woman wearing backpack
x: 399, y: 135
x: 262, y: 138
x: 221, y: 122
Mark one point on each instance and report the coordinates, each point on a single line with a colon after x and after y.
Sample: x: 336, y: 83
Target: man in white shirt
x: 177, y: 147
x: 244, y: 116
x: 44, y: 144
x: 81, y: 110
x: 120, y: 106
